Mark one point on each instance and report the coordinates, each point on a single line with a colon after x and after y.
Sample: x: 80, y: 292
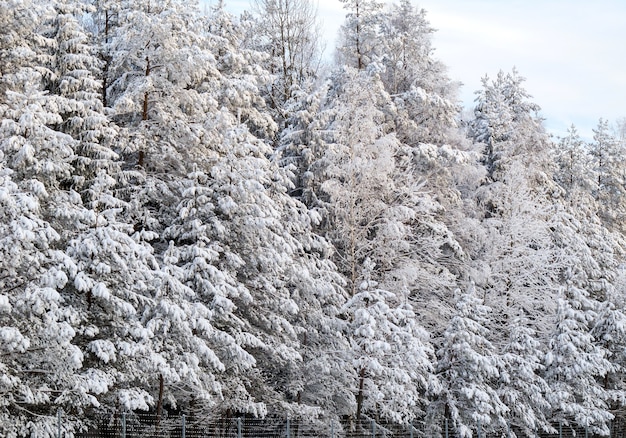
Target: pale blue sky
x: 572, y: 52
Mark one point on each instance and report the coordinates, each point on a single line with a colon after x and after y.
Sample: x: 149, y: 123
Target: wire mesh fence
x: 150, y: 426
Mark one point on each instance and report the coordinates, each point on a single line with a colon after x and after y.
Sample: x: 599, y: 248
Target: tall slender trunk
x: 106, y: 58
x: 360, y: 396
x: 159, y: 411
x: 353, y: 225
x: 359, y: 58
x: 144, y: 112
x: 284, y: 40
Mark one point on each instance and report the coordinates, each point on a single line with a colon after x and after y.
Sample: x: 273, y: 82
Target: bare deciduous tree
x: 290, y: 33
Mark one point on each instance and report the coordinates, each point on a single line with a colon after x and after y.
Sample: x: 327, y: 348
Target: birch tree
x: 289, y: 32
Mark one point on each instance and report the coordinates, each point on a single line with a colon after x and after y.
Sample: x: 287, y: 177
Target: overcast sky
x: 571, y: 52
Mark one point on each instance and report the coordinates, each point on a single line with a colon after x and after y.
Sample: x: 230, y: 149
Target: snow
x: 279, y: 244
x: 103, y: 349
x: 12, y: 340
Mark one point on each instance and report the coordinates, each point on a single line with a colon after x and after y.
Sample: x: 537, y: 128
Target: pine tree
x: 23, y: 47
x: 40, y: 362
x: 467, y: 366
x: 610, y: 334
x: 606, y: 151
x: 79, y: 97
x: 106, y: 20
x: 519, y: 262
x: 424, y: 95
x: 158, y: 61
x: 521, y: 387
x: 507, y: 123
x: 575, y: 364
x: 247, y: 251
x: 382, y: 226
x: 593, y: 252
x: 303, y: 143
x: 391, y: 354
x: 116, y: 344
x: 198, y: 260
x: 358, y: 34
x: 34, y: 150
x: 241, y: 67
x: 574, y: 173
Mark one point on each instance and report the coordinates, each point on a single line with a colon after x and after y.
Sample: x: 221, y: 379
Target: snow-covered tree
x: 303, y: 143
x: 33, y: 149
x: 380, y: 222
x: 105, y: 20
x: 424, y: 96
x: 246, y: 249
x: 391, y: 354
x: 119, y: 359
x: 374, y: 207
x: 469, y: 367
x: 79, y: 91
x: 288, y: 31
x: 506, y: 121
x: 243, y: 75
x: 521, y: 387
x: 358, y: 35
x: 575, y: 364
x: 406, y: 49
x: 595, y: 254
x: 518, y: 264
x: 606, y: 152
x: 40, y: 363
x: 201, y: 263
x: 609, y: 331
x: 23, y: 46
x: 37, y: 151
x: 158, y: 62
x: 574, y: 172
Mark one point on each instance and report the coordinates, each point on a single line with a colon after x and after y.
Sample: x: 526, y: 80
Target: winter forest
x: 201, y: 214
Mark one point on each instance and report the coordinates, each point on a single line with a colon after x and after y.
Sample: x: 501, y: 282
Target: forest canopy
x: 198, y: 214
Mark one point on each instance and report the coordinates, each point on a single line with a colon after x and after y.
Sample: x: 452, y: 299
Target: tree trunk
x: 106, y: 58
x: 144, y: 113
x: 359, y: 59
x: 360, y: 395
x: 159, y: 411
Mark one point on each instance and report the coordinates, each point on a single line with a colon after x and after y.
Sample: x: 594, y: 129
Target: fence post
x: 288, y: 435
x: 239, y: 435
x: 183, y: 425
x: 560, y: 429
x: 373, y: 429
x: 123, y: 424
x: 59, y: 423
x: 447, y: 436
x: 508, y: 429
x: 332, y: 430
x: 586, y: 431
x: 411, y: 429
x: 478, y: 428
